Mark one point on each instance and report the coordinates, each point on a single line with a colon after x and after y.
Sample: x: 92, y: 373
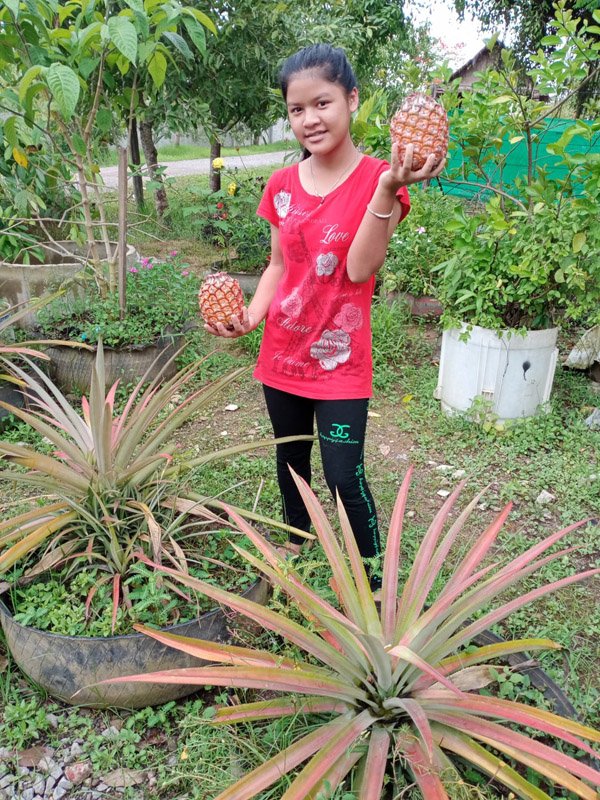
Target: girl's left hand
x: 401, y: 172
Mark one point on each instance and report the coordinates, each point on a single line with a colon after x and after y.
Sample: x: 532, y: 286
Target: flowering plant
x: 419, y: 243
x: 161, y: 299
x: 228, y: 219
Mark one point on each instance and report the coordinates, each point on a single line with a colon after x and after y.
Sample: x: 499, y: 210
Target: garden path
x: 201, y: 166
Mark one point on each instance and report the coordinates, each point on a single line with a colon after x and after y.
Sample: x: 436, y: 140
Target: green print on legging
x: 339, y: 434
x: 360, y: 474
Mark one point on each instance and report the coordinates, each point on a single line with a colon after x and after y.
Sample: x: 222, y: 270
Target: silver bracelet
x: 380, y: 216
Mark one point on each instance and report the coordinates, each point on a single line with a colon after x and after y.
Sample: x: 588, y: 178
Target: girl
x: 332, y: 216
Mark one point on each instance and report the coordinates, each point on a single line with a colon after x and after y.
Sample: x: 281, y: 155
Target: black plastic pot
x: 69, y: 667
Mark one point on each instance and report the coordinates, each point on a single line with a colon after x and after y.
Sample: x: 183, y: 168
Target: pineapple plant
x: 422, y: 122
x: 220, y: 298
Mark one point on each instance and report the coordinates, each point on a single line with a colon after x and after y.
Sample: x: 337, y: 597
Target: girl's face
x: 319, y: 111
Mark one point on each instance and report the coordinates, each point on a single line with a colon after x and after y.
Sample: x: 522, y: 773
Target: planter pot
x: 21, y: 282
x: 512, y: 374
x: 71, y: 367
x: 66, y: 665
x: 9, y: 393
x: 247, y: 280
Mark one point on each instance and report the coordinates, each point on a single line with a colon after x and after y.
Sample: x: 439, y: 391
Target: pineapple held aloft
x: 220, y: 298
x: 422, y: 122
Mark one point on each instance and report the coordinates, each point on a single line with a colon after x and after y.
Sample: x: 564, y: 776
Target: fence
x: 514, y: 164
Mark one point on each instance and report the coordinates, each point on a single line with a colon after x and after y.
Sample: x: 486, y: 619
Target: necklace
x: 331, y: 188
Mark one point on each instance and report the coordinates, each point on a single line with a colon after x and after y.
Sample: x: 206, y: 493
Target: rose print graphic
x: 333, y: 348
x: 282, y: 203
x: 292, y: 304
x: 326, y: 263
x: 349, y: 318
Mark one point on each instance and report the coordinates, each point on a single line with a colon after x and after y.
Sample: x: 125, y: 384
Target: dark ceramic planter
x: 71, y: 367
x: 247, y: 280
x: 69, y: 667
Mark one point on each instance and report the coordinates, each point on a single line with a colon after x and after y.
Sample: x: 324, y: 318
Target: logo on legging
x: 339, y: 431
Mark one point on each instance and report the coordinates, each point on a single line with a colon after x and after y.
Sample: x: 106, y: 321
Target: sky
x: 464, y: 39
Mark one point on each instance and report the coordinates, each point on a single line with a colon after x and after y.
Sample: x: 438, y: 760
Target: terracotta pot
x: 68, y: 667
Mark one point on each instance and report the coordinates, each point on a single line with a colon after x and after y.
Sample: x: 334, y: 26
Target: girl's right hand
x: 240, y: 326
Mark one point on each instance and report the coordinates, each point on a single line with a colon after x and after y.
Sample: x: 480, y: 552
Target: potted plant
x: 417, y: 245
x: 68, y: 71
x: 396, y: 683
x: 108, y: 485
x: 526, y: 260
x: 161, y: 306
x: 228, y: 219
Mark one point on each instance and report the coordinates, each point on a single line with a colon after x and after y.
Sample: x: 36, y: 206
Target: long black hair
x: 332, y: 62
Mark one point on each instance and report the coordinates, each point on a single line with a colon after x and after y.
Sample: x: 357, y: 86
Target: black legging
x: 341, y: 426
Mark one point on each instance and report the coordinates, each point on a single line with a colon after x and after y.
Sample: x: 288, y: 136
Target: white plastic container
x: 513, y: 374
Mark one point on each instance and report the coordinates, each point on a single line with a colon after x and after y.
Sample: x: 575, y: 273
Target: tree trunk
x: 149, y: 148
x: 215, y: 174
x: 134, y: 155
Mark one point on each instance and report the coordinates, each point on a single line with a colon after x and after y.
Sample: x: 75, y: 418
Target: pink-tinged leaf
x: 333, y: 777
x: 491, y: 618
x: 219, y: 652
x: 498, y: 736
x: 528, y: 716
x: 405, y: 654
x: 415, y: 589
x: 327, y: 757
x: 303, y: 681
x: 473, y: 753
x: 477, y: 553
x: 355, y: 667
x: 419, y: 719
x: 285, y: 761
x: 116, y: 594
x: 371, y: 785
x: 418, y: 762
x: 391, y: 561
x: 334, y: 553
x: 88, y: 600
x: 283, y: 626
x: 530, y: 555
x: 359, y: 573
x: 548, y: 769
x: 33, y: 540
x: 280, y: 707
x: 486, y: 653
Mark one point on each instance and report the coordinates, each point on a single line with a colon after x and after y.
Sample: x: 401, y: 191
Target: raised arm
x: 367, y: 252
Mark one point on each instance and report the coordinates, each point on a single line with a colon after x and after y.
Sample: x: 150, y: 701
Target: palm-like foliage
x: 108, y: 485
x: 397, y: 682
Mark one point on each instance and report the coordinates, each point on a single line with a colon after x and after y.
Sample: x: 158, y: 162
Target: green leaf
x: 196, y: 34
x: 578, y: 241
x: 13, y: 6
x: 157, y: 68
x: 124, y: 37
x: 11, y: 131
x: 79, y: 144
x: 65, y: 88
x: 179, y: 42
x: 503, y: 98
x: 27, y: 80
x: 104, y: 120
x: 559, y: 276
x: 201, y: 18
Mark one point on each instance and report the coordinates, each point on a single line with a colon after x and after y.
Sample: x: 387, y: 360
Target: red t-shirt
x: 317, y: 338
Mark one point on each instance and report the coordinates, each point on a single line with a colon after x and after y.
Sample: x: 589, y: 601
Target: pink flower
x: 133, y: 269
x: 173, y: 253
x: 144, y: 262
x: 185, y: 273
x: 421, y: 230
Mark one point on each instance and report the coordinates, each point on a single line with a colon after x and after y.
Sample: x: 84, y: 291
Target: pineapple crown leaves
x: 99, y: 457
x: 398, y: 683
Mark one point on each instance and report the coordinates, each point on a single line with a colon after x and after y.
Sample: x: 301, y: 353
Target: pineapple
x: 220, y: 298
x: 424, y: 123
